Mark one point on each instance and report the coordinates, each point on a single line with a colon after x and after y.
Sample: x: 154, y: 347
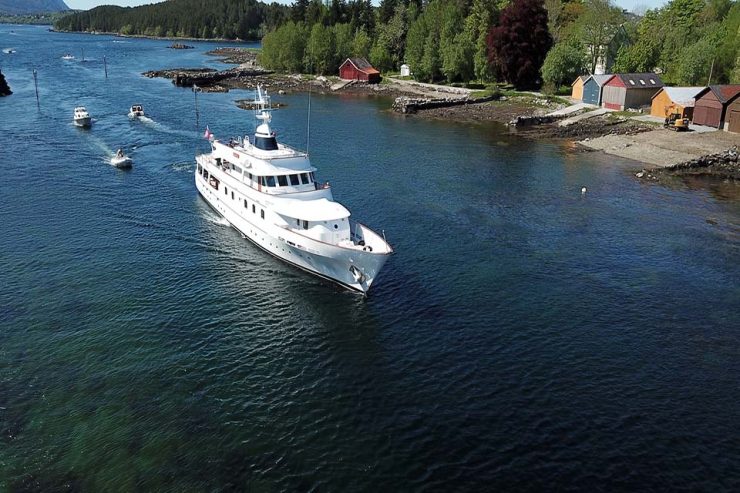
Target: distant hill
x: 226, y: 19
x: 16, y: 7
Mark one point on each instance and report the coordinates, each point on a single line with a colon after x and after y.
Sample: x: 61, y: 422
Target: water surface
x: 523, y: 336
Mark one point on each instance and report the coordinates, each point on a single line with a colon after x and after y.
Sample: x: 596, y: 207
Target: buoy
x: 583, y: 191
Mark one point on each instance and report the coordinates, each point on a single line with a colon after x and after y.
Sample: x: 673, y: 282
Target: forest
x: 205, y: 19
x: 526, y: 43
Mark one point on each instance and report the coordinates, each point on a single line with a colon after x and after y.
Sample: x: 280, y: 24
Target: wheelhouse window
x: 313, y: 177
x: 270, y: 181
x: 304, y: 178
x: 205, y: 174
x: 283, y: 180
x: 294, y: 180
x: 305, y: 224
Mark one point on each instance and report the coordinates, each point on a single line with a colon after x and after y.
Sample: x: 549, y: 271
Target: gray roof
x: 601, y: 79
x: 682, y: 95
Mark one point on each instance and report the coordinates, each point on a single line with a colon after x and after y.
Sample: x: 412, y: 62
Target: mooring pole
x: 105, y: 65
x: 36, y: 84
x: 197, y: 113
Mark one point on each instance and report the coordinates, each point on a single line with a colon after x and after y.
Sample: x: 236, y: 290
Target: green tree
x: 343, y: 42
x: 320, y: 51
x: 361, y: 44
x: 564, y: 62
x: 597, y: 27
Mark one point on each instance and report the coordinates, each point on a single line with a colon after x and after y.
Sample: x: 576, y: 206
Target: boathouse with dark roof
x: 358, y: 69
x: 624, y: 91
x: 719, y: 107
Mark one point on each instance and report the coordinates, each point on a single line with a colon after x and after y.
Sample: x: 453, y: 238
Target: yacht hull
x: 351, y: 268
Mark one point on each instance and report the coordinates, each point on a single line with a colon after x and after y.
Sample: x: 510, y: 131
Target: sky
x: 88, y: 4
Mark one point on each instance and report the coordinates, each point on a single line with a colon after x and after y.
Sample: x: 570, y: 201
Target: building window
x: 632, y: 82
x: 262, y: 213
x: 652, y: 81
x: 642, y: 82
x: 294, y: 180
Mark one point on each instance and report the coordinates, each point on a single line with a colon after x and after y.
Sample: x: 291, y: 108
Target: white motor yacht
x: 68, y: 56
x: 269, y: 193
x: 82, y: 117
x: 136, y: 111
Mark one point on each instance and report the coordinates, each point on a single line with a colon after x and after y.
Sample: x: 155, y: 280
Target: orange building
x: 675, y: 100
x: 577, y: 87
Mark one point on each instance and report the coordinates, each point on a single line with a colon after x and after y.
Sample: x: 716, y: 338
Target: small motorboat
x: 121, y: 161
x: 82, y: 118
x: 9, y: 51
x: 136, y: 111
x: 68, y: 56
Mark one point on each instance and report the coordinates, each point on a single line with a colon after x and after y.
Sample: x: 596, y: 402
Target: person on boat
x: 119, y: 153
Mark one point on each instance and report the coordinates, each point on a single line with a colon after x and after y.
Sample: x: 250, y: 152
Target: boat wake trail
x: 102, y: 146
x: 160, y: 127
x: 183, y: 166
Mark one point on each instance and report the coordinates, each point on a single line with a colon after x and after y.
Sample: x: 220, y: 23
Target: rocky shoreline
x: 723, y: 165
x: 4, y: 87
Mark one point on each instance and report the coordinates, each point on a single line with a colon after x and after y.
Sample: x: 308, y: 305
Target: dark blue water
x: 523, y: 337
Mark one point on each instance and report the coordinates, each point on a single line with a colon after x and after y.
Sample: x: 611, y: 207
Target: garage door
x: 704, y: 115
x: 734, y: 121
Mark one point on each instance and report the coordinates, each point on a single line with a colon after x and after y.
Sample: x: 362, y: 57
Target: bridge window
x: 205, y: 174
x: 305, y: 224
x: 294, y: 180
x: 270, y: 181
x: 304, y: 179
x: 282, y: 180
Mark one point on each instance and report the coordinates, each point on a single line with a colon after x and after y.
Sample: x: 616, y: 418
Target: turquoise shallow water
x: 523, y: 337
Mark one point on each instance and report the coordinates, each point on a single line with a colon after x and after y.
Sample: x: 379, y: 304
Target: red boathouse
x: 358, y: 69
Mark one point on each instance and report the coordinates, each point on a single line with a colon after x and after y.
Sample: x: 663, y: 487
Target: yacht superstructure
x: 268, y: 192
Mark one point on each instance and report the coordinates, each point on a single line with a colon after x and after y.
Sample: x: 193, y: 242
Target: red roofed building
x: 358, y: 69
x: 715, y: 107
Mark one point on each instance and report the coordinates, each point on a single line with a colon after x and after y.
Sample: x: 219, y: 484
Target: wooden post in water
x: 36, y: 84
x: 105, y: 65
x: 197, y: 113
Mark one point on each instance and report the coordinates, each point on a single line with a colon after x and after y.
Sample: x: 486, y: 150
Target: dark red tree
x: 518, y: 45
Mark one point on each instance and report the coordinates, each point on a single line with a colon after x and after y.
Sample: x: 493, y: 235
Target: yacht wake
x: 220, y: 220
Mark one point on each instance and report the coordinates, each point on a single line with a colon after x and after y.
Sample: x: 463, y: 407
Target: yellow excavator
x: 674, y: 120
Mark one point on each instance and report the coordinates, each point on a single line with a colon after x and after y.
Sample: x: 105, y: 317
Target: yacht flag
x: 208, y: 134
